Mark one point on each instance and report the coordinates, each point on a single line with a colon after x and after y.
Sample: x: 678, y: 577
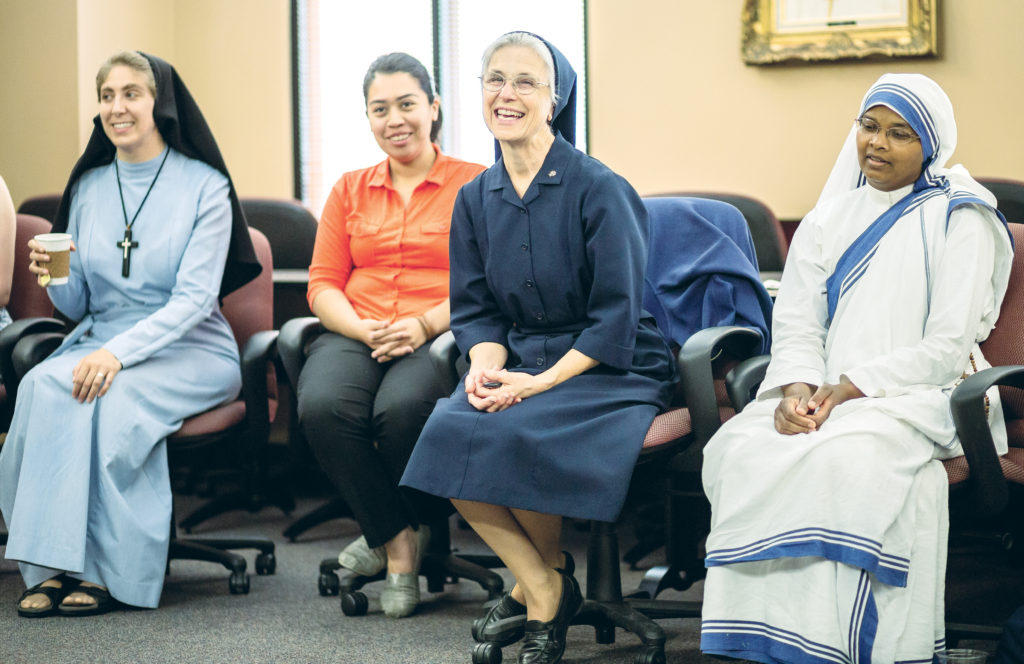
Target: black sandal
x: 104, y: 603
x: 54, y: 593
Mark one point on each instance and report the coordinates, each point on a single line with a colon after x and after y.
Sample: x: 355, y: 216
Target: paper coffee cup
x: 58, y: 246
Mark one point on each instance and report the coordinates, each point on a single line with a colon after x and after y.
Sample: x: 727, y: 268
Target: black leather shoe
x: 544, y: 642
x: 505, y: 621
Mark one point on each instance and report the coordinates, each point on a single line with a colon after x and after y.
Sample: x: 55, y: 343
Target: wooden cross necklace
x: 126, y: 245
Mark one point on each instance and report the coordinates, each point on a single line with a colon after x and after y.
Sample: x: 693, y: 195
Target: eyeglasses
x: 900, y: 135
x: 523, y: 85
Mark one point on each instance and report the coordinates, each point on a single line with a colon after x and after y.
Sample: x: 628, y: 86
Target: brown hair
x: 132, y: 60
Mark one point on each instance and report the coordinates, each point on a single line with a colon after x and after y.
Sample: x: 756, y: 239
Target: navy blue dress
x: 561, y: 268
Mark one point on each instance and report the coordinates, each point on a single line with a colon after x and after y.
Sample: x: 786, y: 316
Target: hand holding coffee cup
x: 51, y: 258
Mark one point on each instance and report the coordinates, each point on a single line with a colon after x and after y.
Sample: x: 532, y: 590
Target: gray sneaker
x: 363, y: 560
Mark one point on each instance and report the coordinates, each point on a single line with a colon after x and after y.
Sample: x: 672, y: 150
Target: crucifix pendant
x: 126, y: 246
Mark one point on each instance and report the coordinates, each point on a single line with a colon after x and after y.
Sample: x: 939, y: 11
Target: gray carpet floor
x: 284, y: 619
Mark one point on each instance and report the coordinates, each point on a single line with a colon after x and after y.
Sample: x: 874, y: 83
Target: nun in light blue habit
x: 84, y: 486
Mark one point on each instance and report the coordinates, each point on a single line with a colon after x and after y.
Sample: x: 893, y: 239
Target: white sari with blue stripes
x: 831, y: 546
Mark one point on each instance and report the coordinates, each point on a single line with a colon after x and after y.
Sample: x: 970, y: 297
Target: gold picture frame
x: 809, y: 30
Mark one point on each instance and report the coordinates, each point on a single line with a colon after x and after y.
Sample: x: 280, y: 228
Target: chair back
x: 1009, y: 197
x: 765, y: 228
x: 27, y: 300
x: 44, y: 206
x: 288, y: 225
x: 702, y: 270
x: 250, y: 309
x: 1005, y: 345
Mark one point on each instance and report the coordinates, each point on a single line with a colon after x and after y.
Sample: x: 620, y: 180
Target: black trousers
x: 362, y: 419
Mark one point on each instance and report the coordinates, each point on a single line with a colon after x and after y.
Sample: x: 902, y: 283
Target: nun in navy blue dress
x: 548, y: 249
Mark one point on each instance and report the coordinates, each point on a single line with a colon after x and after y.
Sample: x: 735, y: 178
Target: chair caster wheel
x: 328, y: 584
x: 651, y: 656
x: 354, y: 604
x: 266, y: 563
x: 238, y: 584
x: 486, y: 653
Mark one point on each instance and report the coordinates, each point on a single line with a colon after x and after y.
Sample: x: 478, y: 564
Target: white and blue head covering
x: 925, y: 107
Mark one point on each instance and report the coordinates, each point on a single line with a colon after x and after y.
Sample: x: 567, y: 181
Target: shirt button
x: 529, y: 284
x: 540, y: 361
x: 540, y: 316
x: 522, y: 211
x: 524, y: 247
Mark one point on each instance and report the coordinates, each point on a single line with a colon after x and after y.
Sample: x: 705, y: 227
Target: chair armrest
x: 258, y: 352
x: 744, y: 379
x: 10, y: 336
x: 33, y: 349
x: 696, y: 359
x: 291, y: 345
x: 986, y: 482
x: 445, y: 354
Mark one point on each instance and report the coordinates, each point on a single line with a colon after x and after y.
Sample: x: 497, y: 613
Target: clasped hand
x: 511, y: 388
x: 804, y: 409
x: 93, y: 375
x: 389, y: 341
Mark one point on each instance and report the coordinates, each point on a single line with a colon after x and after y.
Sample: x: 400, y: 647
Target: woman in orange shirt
x: 379, y: 285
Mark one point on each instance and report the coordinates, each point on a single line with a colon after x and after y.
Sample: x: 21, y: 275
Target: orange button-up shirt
x: 390, y: 259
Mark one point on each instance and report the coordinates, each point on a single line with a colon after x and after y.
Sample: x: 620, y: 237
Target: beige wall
x: 233, y: 54
x: 38, y: 94
x: 672, y: 106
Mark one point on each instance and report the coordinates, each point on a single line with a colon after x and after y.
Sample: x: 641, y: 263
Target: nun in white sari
x: 829, y: 513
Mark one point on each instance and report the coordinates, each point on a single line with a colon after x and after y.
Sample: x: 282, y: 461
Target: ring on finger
x: 100, y: 375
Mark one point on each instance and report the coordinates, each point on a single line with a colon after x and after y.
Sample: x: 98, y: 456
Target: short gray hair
x: 132, y: 60
x: 529, y: 41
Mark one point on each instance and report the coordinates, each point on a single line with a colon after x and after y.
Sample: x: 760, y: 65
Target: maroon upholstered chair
x: 986, y: 490
x: 44, y: 205
x: 30, y: 308
x: 237, y: 431
x: 1009, y: 197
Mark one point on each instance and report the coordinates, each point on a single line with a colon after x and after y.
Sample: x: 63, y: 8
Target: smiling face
x: 401, y: 116
x: 512, y: 118
x: 888, y: 165
x: 126, y: 111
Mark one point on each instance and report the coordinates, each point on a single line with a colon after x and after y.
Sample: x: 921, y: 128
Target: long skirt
x: 828, y: 546
x: 84, y: 487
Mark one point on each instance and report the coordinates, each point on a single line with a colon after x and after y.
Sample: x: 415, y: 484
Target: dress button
x: 540, y: 361
x: 540, y: 316
x: 529, y: 284
x: 524, y: 247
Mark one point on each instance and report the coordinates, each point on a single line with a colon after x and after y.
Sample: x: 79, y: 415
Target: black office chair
x: 766, y: 230
x: 1009, y: 197
x: 439, y: 565
x: 44, y: 205
x: 291, y: 230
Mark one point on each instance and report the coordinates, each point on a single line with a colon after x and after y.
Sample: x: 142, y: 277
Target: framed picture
x: 808, y: 30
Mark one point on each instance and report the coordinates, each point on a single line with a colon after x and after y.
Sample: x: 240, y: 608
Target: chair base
x: 337, y: 508
x: 239, y: 500
x: 217, y: 550
x: 439, y: 566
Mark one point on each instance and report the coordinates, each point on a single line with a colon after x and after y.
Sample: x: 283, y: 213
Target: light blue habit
x: 84, y: 488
